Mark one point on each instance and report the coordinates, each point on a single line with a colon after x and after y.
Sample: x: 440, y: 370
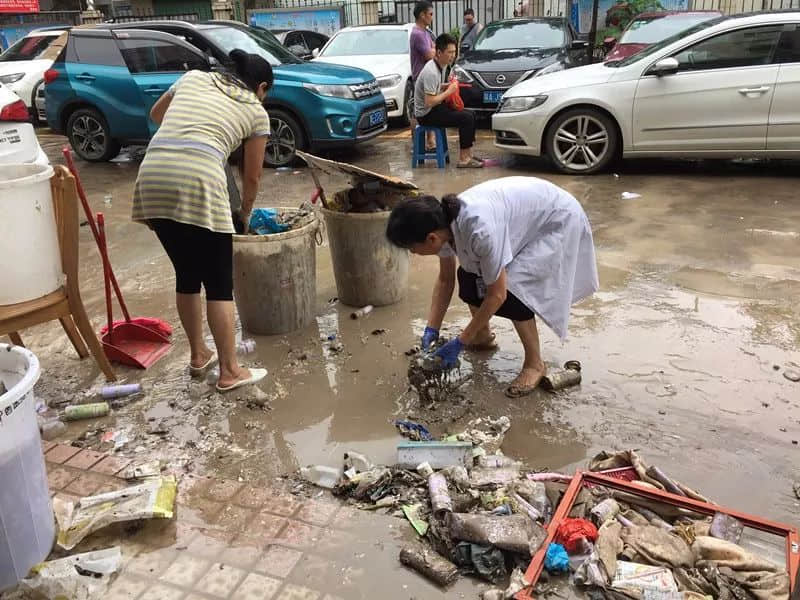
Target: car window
x: 366, y: 42
x: 94, y: 51
x: 159, y: 56
x: 520, y: 34
x: 789, y: 47
x: 740, y: 48
x: 314, y: 40
x: 648, y: 30
x: 256, y: 42
x: 28, y: 48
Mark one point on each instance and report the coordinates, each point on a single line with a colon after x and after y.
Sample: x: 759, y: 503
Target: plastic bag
x: 454, y: 101
x: 264, y: 221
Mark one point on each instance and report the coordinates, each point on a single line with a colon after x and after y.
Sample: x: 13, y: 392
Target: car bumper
x: 520, y: 133
x: 473, y: 98
x: 394, y: 97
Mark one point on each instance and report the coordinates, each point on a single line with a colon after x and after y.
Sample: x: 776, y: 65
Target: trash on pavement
x: 413, y: 431
x: 515, y: 533
x: 246, y: 347
x: 726, y: 527
x: 78, y: 577
x: 441, y: 502
x: 571, y: 531
x: 556, y: 559
x: 630, y: 195
x: 437, y: 454
x: 359, y: 462
x: 635, y: 577
x: 143, y: 471
x: 481, y: 477
x: 605, y: 511
x: 430, y: 564
x: 325, y: 477
x: 558, y: 379
x: 412, y: 513
x: 50, y: 430
x: 361, y: 312
x: 792, y: 375
x: 120, y: 391
x: 80, y: 412
x: 153, y: 499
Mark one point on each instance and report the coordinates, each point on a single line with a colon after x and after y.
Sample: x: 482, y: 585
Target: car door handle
x: 85, y: 77
x: 755, y: 90
x: 154, y: 91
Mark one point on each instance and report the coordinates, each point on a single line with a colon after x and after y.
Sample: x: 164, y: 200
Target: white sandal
x: 256, y: 375
x: 200, y: 371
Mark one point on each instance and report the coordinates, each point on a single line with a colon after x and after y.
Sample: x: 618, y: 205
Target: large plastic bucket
x: 367, y: 268
x: 29, y: 255
x: 275, y: 279
x: 27, y: 528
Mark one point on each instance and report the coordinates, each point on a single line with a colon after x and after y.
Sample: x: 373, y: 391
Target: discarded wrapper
x: 153, y: 499
x: 79, y: 577
x: 143, y: 471
x: 640, y: 578
x: 412, y: 513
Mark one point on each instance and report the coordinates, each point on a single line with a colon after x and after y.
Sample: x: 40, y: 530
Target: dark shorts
x: 201, y: 257
x: 512, y: 308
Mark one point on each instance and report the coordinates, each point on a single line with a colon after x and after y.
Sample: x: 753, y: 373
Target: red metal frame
x: 585, y: 477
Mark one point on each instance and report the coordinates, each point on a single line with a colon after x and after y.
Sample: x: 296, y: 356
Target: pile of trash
x: 432, y: 383
x: 265, y: 221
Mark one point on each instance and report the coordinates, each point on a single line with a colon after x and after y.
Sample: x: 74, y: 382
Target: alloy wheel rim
x: 89, y: 136
x: 581, y: 142
x: 282, y: 143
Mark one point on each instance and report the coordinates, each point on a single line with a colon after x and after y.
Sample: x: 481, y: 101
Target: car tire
x: 286, y: 136
x: 34, y: 112
x: 581, y: 141
x: 90, y: 136
x: 408, y: 106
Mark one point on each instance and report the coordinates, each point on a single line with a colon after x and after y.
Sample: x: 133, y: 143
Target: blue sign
x: 324, y: 20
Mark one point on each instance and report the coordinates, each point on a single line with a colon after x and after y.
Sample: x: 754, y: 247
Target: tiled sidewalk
x: 234, y: 541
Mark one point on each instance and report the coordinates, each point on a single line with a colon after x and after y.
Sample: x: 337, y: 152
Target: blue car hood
x: 315, y: 72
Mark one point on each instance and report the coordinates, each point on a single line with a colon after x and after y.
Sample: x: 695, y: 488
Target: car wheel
x: 408, y: 106
x: 581, y: 141
x: 90, y: 137
x: 286, y: 136
x: 34, y: 111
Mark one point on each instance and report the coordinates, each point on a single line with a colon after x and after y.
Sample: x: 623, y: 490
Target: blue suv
x: 100, y: 89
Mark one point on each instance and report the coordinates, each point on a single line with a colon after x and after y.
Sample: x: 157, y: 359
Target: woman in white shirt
x: 523, y: 248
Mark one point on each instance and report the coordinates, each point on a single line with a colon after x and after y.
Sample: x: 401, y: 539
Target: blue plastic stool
x: 418, y: 153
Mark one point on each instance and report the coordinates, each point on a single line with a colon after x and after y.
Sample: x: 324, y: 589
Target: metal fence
x: 542, y: 8
x: 41, y: 19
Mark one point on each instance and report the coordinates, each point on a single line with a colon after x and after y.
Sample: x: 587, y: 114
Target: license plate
x: 492, y: 97
x: 377, y: 117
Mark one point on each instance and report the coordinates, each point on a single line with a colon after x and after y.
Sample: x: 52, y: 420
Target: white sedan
x: 383, y: 50
x: 725, y: 88
x: 18, y: 142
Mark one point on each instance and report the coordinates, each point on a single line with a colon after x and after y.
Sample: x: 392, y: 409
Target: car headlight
x: 520, y: 103
x: 389, y: 81
x: 12, y: 78
x: 552, y: 68
x: 336, y: 91
x: 461, y: 75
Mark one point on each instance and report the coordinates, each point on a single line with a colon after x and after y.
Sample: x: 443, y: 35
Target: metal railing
x: 42, y: 19
x: 137, y: 16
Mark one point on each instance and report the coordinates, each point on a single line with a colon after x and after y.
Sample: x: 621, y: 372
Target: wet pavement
x: 683, y: 348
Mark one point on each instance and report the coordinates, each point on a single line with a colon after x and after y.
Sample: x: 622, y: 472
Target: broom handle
x: 93, y: 226
x: 101, y: 243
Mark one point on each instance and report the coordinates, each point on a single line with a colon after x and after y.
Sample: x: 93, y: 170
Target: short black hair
x: 420, y: 7
x: 414, y: 218
x: 469, y: 11
x: 444, y: 40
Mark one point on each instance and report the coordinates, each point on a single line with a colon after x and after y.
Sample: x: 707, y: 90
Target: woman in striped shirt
x: 181, y: 193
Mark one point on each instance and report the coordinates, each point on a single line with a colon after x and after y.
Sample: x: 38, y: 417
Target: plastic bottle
x: 325, y: 477
x: 52, y: 429
x: 120, y: 391
x: 86, y: 411
x: 246, y: 346
x: 107, y: 199
x: 361, y: 312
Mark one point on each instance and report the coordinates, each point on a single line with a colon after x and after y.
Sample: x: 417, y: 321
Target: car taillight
x: 50, y: 75
x: 16, y: 111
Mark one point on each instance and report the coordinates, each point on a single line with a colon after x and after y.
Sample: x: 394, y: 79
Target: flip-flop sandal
x: 515, y: 391
x: 256, y: 375
x: 200, y: 371
x: 484, y: 346
x: 471, y: 164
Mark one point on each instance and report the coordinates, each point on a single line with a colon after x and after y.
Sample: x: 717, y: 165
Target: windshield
x: 652, y: 49
x: 367, y: 42
x: 525, y: 34
x: 28, y: 48
x: 649, y: 30
x: 254, y: 41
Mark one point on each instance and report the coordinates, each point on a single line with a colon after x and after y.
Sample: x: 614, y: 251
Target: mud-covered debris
x: 792, y: 375
x: 413, y: 351
x: 378, y: 331
x: 413, y: 431
x: 430, y: 564
x: 78, y: 577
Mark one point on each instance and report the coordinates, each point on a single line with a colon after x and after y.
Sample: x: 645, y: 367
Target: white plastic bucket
x: 30, y: 260
x: 27, y: 527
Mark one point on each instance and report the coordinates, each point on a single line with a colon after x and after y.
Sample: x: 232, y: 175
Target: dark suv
x: 312, y: 105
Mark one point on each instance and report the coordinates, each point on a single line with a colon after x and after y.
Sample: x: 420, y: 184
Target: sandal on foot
x: 518, y: 391
x: 491, y: 344
x: 470, y: 164
x: 200, y: 371
x: 256, y: 375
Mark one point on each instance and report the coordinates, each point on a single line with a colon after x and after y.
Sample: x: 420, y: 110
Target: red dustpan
x: 127, y: 342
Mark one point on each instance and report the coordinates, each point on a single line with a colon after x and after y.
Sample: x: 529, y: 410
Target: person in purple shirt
x: 422, y: 49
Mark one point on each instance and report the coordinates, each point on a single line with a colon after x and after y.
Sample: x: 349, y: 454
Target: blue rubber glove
x: 428, y: 337
x: 449, y: 353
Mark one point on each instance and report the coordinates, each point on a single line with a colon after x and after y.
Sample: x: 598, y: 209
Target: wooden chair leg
x: 72, y: 333
x: 15, y: 338
x: 85, y: 327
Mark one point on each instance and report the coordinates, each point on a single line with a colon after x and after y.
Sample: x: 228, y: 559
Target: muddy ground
x: 683, y: 348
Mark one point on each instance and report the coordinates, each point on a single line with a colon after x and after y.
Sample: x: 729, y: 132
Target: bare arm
x: 253, y: 167
x: 442, y: 291
x: 495, y: 296
x: 434, y: 99
x: 160, y: 108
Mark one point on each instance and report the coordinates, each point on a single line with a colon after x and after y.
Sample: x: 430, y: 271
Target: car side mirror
x: 666, y: 66
x: 315, y: 52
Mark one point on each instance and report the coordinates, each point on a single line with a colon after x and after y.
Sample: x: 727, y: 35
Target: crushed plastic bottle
x: 324, y: 477
x: 246, y: 346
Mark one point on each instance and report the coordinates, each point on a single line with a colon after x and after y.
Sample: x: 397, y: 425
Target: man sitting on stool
x: 431, y: 91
